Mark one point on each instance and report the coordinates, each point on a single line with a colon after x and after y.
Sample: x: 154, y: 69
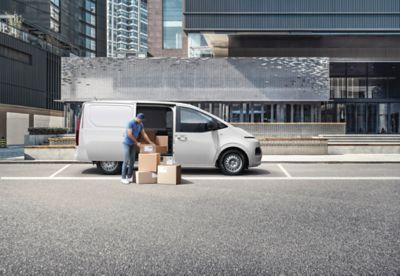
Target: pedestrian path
x: 12, y: 152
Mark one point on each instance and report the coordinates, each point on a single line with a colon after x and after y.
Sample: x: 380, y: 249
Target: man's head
x: 139, y: 117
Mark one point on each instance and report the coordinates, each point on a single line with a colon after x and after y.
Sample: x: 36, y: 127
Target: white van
x: 196, y: 139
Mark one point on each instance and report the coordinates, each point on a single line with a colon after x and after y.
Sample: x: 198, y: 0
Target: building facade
x: 34, y: 35
x: 361, y: 38
x: 126, y: 28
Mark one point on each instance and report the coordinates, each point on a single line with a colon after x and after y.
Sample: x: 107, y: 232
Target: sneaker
x: 124, y: 181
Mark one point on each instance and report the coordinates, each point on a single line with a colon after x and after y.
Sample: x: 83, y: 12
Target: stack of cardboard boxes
x: 151, y: 169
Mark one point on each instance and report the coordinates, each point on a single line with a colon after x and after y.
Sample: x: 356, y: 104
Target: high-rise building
x: 34, y: 35
x: 126, y: 27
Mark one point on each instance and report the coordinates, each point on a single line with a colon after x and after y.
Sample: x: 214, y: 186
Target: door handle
x: 181, y: 138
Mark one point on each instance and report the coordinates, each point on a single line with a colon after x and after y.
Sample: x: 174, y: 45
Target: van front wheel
x: 232, y: 162
x: 109, y: 167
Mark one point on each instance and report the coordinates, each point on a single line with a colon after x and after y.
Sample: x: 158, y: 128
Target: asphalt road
x: 289, y: 218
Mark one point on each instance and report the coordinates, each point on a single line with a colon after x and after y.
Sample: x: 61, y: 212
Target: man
x: 133, y: 130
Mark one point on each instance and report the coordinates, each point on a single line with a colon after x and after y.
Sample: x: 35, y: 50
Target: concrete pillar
x: 292, y: 113
x: 31, y: 120
x: 262, y: 113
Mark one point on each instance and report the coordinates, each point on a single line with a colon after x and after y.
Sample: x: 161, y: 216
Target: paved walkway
x: 12, y: 152
x: 345, y: 158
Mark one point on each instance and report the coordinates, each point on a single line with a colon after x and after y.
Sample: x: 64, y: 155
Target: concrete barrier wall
x: 292, y: 130
x: 48, y: 121
x: 17, y: 127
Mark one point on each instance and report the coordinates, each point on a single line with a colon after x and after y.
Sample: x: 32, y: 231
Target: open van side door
x: 104, y: 129
x: 196, y: 138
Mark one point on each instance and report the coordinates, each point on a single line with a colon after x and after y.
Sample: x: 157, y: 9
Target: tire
x: 232, y: 162
x: 109, y: 167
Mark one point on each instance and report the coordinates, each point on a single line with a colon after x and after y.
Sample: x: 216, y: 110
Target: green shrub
x: 47, y: 130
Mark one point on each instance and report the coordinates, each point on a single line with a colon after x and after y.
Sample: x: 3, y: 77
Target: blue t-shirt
x: 136, y: 129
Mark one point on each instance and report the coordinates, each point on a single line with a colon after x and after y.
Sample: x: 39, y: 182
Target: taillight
x: 78, y: 126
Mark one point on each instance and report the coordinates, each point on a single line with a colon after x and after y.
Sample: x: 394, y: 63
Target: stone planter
x: 41, y: 139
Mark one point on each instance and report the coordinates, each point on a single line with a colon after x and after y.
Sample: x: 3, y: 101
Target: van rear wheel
x: 109, y: 167
x: 232, y: 162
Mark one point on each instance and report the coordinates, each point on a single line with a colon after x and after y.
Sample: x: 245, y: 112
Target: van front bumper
x: 255, y: 155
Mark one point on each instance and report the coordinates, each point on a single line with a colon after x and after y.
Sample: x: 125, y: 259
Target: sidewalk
x: 345, y: 158
x: 12, y: 152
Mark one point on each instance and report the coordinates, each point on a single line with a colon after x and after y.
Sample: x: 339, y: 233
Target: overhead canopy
x: 196, y: 80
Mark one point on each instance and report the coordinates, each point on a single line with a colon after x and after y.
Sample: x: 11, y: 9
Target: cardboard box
x: 151, y: 133
x: 169, y: 174
x: 162, y: 141
x: 148, y: 162
x: 145, y: 177
x: 148, y: 148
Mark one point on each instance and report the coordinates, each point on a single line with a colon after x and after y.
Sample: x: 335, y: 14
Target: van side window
x: 190, y: 120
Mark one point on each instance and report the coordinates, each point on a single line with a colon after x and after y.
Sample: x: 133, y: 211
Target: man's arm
x: 144, y: 135
x: 133, y: 137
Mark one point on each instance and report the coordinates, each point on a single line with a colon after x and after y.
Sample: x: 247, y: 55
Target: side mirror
x: 212, y: 125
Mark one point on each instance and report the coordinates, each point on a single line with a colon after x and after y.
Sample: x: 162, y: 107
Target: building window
x: 90, y: 44
x: 172, y: 24
x: 89, y: 18
x: 54, y: 26
x: 55, y: 16
x: 90, y: 6
x: 90, y: 31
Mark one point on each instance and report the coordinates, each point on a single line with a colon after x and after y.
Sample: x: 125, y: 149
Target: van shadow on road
x: 191, y: 172
x: 217, y: 172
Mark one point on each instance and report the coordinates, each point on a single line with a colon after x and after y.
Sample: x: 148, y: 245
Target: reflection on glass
x: 267, y: 113
x: 257, y: 113
x: 377, y: 88
x: 235, y: 113
x: 394, y: 117
x: 338, y: 88
x: 361, y: 116
x: 383, y: 120
x: 307, y: 113
x: 356, y: 88
x: 351, y: 118
x: 297, y: 113
x: 341, y: 113
x: 172, y: 24
x: 372, y: 115
x: 287, y: 113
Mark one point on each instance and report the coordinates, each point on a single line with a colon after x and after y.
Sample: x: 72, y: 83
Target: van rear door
x: 104, y: 130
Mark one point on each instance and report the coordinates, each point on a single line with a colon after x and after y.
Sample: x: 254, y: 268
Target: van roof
x: 143, y: 102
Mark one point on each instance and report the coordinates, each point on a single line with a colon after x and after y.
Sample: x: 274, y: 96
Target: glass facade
x: 366, y: 96
x: 172, y: 24
x: 264, y: 112
x: 55, y: 16
x: 89, y: 28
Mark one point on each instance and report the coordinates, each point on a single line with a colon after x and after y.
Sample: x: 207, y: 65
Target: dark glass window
x: 356, y: 69
x: 337, y: 69
x: 195, y: 121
